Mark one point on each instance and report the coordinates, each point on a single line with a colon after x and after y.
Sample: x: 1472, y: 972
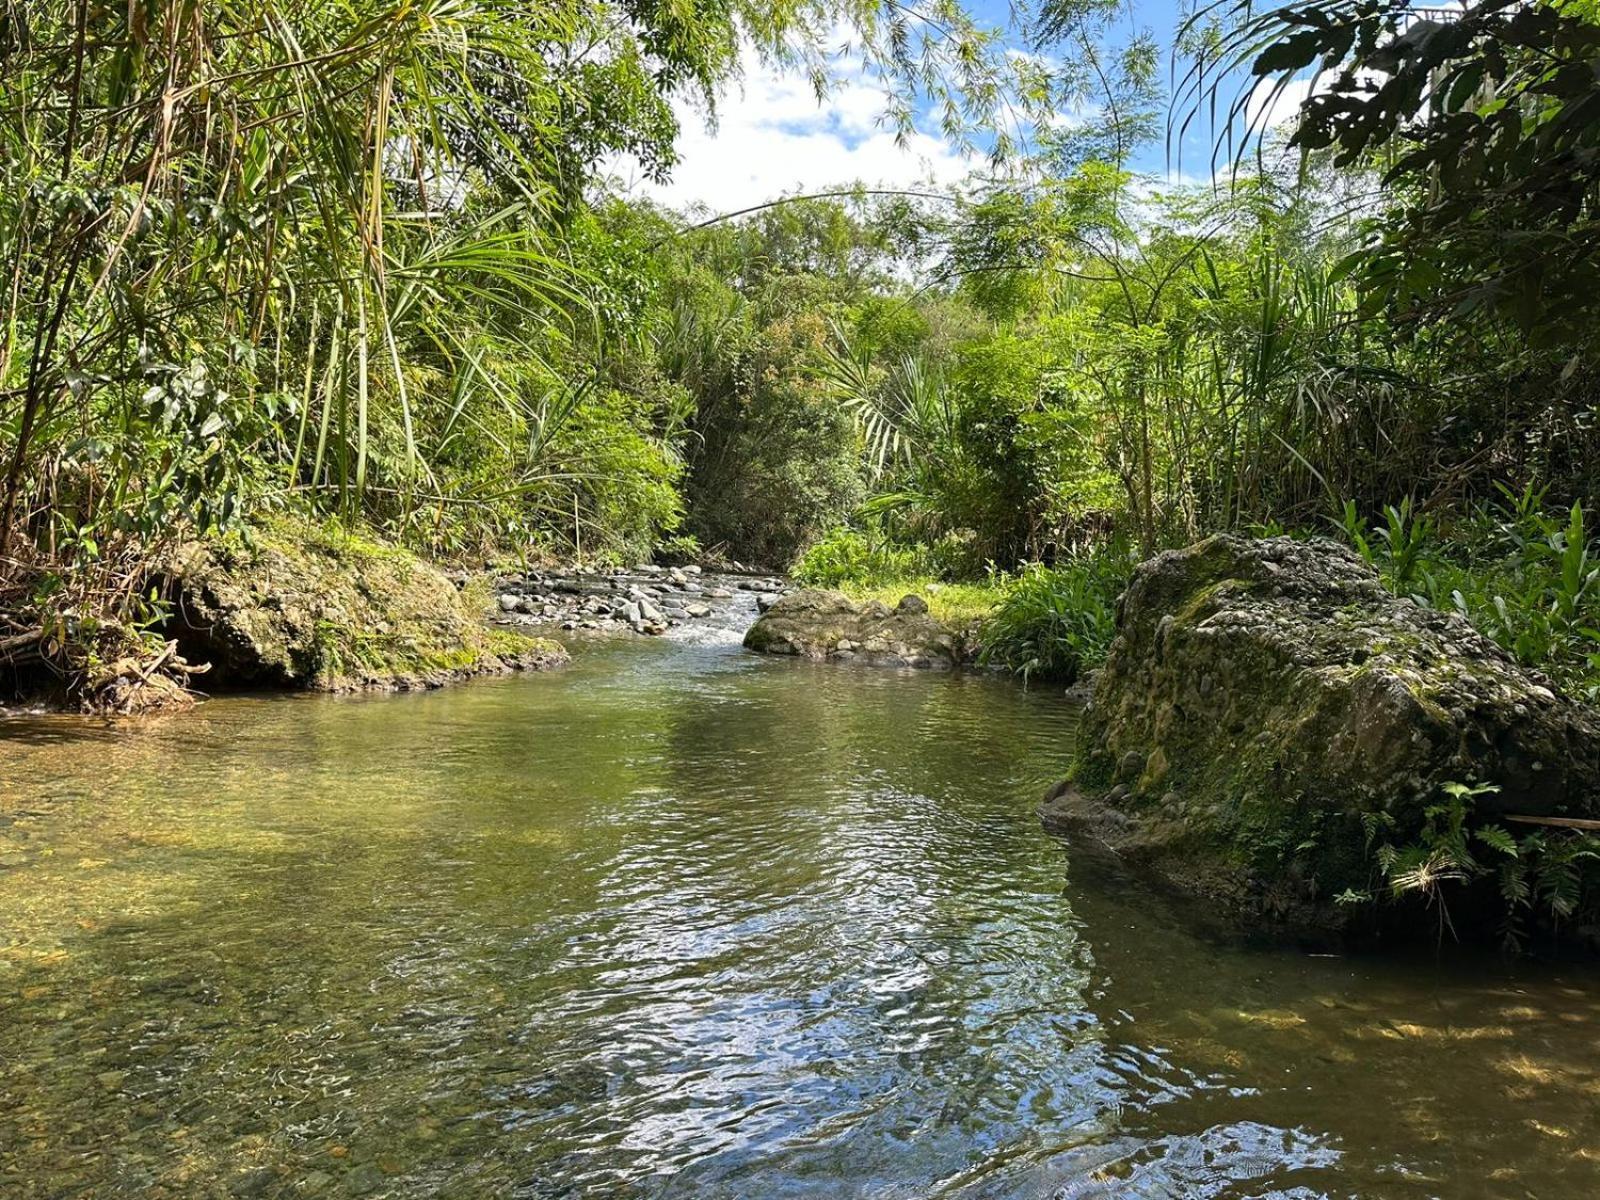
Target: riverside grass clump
x: 1522, y: 573
x: 1052, y: 623
x: 1040, y: 623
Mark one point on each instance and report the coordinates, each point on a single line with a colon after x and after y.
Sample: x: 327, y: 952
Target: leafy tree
x: 1485, y: 123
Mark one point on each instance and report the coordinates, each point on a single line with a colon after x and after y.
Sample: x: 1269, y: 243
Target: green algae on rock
x: 829, y: 626
x: 302, y: 606
x: 1267, y: 703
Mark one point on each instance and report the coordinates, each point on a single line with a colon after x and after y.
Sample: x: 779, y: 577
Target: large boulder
x: 1267, y: 709
x: 822, y: 625
x: 302, y: 606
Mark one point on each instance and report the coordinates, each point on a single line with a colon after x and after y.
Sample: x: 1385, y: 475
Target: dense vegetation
x: 349, y: 257
x: 359, y: 262
x: 362, y: 261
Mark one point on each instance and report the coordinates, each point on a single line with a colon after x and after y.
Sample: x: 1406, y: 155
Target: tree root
x: 132, y: 686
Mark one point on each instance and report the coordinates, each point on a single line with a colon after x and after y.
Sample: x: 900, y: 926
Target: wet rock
x: 820, y: 625
x: 364, y: 1180
x: 1265, y: 702
x: 297, y: 605
x: 254, y: 1183
x: 1082, y: 689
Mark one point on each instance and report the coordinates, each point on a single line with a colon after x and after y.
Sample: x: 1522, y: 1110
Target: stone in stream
x: 1268, y: 709
x: 293, y: 606
x: 821, y: 625
x: 698, y: 610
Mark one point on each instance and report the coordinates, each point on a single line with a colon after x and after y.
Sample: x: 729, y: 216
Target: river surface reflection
x: 681, y: 921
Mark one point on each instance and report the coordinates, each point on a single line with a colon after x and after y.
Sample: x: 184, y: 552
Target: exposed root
x: 132, y: 686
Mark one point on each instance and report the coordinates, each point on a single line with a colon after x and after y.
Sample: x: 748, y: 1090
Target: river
x: 680, y: 921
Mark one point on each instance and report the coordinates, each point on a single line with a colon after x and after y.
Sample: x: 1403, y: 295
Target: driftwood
x: 21, y: 641
x: 1559, y: 822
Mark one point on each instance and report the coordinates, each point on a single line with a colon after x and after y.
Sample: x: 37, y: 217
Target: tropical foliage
x: 362, y: 260
x: 346, y: 256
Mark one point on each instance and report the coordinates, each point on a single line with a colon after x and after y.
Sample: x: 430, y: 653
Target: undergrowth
x: 1542, y: 875
x: 1525, y: 576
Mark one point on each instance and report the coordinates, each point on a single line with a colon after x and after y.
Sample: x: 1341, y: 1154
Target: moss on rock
x: 829, y: 626
x: 317, y: 607
x: 1266, y: 702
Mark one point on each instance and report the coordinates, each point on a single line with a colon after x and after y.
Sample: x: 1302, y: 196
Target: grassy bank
x: 1520, y: 571
x: 1050, y: 623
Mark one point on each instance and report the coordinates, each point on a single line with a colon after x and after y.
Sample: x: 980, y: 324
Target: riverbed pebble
x: 645, y: 599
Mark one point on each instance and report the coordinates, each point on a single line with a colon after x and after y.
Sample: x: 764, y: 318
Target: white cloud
x: 1264, y: 110
x: 1271, y: 108
x: 773, y: 137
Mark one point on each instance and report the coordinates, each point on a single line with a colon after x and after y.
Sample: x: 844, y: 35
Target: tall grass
x: 1055, y: 622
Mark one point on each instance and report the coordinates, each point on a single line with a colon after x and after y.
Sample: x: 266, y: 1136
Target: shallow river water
x: 684, y: 922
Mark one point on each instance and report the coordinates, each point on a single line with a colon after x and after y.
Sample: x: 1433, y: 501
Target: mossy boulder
x: 829, y: 626
x: 302, y: 606
x: 1267, y: 704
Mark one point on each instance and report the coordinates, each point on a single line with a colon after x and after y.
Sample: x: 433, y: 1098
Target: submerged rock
x: 308, y: 607
x: 1266, y: 705
x: 822, y: 625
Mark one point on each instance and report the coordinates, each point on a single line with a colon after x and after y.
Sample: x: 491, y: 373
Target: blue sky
x: 773, y: 138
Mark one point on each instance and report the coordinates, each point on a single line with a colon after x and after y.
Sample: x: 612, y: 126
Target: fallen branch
x: 21, y: 641
x: 1559, y: 822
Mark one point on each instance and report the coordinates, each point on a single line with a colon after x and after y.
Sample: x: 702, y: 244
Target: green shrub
x: 846, y: 556
x: 679, y: 550
x: 1055, y: 622
x: 1528, y: 579
x: 1543, y: 876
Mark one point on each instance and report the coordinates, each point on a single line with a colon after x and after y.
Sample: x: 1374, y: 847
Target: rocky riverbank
x: 317, y: 608
x: 645, y: 599
x: 1270, y: 718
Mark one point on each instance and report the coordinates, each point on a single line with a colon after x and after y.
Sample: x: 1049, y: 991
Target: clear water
x: 683, y: 922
